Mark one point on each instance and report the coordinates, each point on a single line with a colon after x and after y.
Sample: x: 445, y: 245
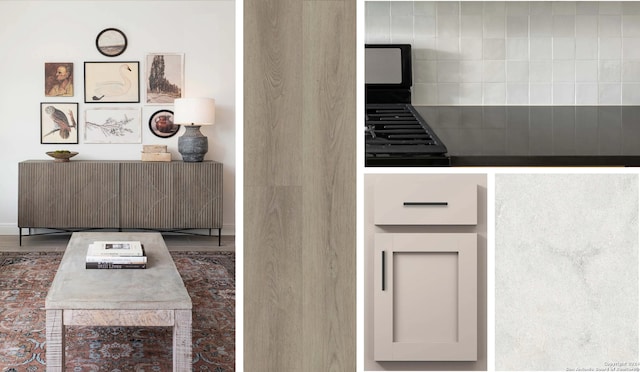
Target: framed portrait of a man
x: 58, y: 79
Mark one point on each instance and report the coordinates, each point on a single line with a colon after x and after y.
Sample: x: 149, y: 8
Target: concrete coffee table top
x: 159, y: 286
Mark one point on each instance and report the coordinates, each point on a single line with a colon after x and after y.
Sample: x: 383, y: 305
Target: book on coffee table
x: 116, y: 255
x: 115, y: 248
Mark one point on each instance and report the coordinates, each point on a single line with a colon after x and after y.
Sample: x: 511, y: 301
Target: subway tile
x: 378, y: 30
x: 587, y: 7
x: 517, y: 48
x: 631, y: 71
x: 494, y: 71
x: 586, y: 93
x: 610, y: 48
x: 471, y: 26
x: 424, y: 26
x: 426, y: 94
x: 471, y: 71
x: 610, y: 7
x: 563, y: 7
x: 493, y: 26
x: 540, y: 8
x: 401, y: 29
x: 631, y: 7
x: 471, y: 8
x: 425, y: 71
x: 564, y: 48
x: 564, y: 25
x: 541, y: 48
x: 493, y: 8
x: 517, y: 71
x: 564, y: 94
x: 424, y: 48
x: 471, y: 49
x: 609, y: 93
x: 447, y: 8
x: 630, y: 48
x: 448, y: 94
x: 540, y: 94
x: 493, y: 93
x: 493, y: 49
x: 425, y: 8
x: 631, y: 25
x: 448, y: 48
x: 609, y: 71
x: 586, y: 48
x: 377, y: 9
x: 401, y: 8
x: 448, y: 71
x: 630, y: 93
x: 517, y: 8
x: 586, y: 26
x: 471, y: 94
x: 517, y: 26
x: 609, y: 26
x: 517, y: 94
x: 540, y: 71
x: 448, y: 26
x: 564, y: 71
x: 587, y: 71
x: 541, y: 25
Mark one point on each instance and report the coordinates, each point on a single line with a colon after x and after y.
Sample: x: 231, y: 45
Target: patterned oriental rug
x: 25, y: 279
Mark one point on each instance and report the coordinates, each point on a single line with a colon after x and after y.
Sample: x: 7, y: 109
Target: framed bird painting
x: 112, y: 82
x: 58, y: 122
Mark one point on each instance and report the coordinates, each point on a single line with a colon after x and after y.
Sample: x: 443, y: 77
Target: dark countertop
x: 537, y: 135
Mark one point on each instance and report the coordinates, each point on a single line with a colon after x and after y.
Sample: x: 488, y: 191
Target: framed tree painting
x: 111, y: 82
x: 164, y: 77
x: 112, y: 125
x: 58, y: 122
x: 58, y: 79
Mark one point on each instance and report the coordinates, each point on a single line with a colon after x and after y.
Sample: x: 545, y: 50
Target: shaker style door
x: 425, y: 301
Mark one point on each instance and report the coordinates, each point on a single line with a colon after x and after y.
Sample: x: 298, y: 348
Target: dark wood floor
x: 58, y: 242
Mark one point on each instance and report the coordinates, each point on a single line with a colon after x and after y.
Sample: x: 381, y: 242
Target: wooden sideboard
x: 79, y: 195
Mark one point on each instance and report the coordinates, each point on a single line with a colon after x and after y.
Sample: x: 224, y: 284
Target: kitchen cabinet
x: 425, y: 297
x: 423, y: 236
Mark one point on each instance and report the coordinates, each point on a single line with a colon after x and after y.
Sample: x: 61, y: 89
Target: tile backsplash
x: 515, y: 52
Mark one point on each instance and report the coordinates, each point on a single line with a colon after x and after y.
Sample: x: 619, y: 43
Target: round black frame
x: 118, y: 51
x: 155, y: 131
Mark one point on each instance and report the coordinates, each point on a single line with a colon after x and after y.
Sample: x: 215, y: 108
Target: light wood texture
x: 300, y: 179
x: 126, y: 194
x: 182, y: 341
x: 123, y: 318
x: 428, y: 308
x: 55, y: 341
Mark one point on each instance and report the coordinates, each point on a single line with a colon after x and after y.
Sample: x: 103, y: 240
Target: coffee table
x: 154, y: 296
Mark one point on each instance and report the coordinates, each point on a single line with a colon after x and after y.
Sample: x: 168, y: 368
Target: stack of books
x: 116, y: 255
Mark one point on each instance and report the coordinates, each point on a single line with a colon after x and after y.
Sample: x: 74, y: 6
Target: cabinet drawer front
x: 425, y: 200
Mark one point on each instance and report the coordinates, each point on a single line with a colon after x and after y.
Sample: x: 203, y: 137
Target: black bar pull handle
x: 426, y: 203
x: 384, y: 271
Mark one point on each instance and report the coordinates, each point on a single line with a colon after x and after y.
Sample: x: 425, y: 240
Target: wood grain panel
x: 122, y: 318
x: 273, y: 279
x: 299, y: 191
x: 329, y: 184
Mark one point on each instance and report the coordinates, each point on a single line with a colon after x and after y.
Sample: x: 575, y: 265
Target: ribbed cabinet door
x: 425, y: 299
x: 76, y: 194
x: 146, y: 194
x: 197, y: 195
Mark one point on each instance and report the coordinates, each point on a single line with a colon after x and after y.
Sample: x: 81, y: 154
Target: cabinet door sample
x: 425, y: 299
x: 413, y: 199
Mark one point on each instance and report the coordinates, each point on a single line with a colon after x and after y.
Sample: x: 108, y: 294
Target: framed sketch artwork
x: 112, y: 125
x: 111, y: 42
x: 58, y: 79
x: 58, y: 122
x: 164, y: 77
x: 111, y: 82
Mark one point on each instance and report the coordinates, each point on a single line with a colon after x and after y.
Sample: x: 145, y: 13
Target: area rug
x: 25, y: 279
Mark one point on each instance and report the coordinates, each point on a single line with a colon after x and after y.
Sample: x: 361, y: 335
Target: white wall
x: 516, y: 52
x: 35, y: 32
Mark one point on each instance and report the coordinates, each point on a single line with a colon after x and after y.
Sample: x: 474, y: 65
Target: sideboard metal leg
x: 219, y: 237
x: 20, y: 233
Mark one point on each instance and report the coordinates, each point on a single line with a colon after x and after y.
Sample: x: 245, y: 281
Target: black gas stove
x: 395, y: 133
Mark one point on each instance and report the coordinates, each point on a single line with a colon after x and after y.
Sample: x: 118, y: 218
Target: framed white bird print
x: 58, y: 122
x: 112, y: 82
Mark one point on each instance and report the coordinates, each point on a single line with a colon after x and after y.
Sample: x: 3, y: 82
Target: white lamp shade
x: 194, y: 111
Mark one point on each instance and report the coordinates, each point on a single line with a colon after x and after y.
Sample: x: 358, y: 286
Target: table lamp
x: 193, y: 113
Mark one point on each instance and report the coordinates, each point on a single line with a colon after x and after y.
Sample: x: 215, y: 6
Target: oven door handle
x: 425, y: 203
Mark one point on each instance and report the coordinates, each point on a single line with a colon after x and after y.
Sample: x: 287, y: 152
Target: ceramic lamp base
x: 192, y: 145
